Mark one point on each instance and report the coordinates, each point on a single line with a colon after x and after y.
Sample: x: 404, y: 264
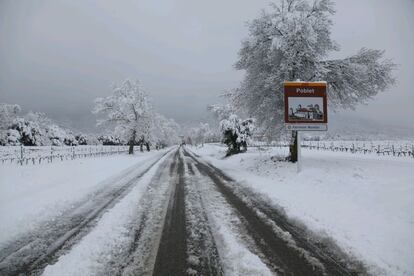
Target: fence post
x: 21, y: 155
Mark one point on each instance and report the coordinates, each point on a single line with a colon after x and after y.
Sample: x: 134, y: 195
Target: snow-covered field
x: 36, y: 155
x: 91, y: 254
x: 32, y: 194
x: 364, y: 202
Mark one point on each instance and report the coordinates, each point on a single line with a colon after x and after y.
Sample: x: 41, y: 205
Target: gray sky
x: 57, y: 56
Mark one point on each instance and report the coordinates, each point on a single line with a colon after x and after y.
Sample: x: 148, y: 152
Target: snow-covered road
x: 175, y: 215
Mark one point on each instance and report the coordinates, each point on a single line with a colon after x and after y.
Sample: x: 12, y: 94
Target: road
x: 193, y: 220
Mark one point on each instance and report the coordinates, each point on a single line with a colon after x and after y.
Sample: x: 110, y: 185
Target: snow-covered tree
x: 236, y: 133
x: 293, y: 41
x: 202, y: 133
x: 50, y: 132
x: 91, y: 139
x: 110, y: 140
x: 129, y: 111
x: 222, y: 111
x: 12, y: 138
x: 30, y: 132
x: 81, y: 139
x: 164, y: 132
x: 8, y: 114
x: 32, y: 129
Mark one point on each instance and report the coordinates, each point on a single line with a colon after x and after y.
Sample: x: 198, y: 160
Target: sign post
x: 299, y: 162
x: 306, y: 109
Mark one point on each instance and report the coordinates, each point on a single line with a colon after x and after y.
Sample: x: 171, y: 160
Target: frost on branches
x: 200, y: 135
x: 236, y: 133
x: 8, y: 113
x: 129, y: 111
x: 33, y: 129
x: 292, y: 41
x: 164, y: 131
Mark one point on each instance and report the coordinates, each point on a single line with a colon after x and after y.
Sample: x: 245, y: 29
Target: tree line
x: 126, y: 117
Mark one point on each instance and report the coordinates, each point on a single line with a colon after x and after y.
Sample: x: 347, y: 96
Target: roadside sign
x: 306, y: 106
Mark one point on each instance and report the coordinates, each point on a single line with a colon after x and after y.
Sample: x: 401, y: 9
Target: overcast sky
x: 57, y: 56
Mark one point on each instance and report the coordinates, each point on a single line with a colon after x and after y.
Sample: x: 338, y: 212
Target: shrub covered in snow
x: 30, y: 132
x: 110, y: 140
x: 11, y: 138
x: 236, y: 133
x: 33, y: 129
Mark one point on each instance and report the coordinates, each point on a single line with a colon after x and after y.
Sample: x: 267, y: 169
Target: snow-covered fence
x: 25, y: 155
x: 382, y: 148
x: 386, y: 148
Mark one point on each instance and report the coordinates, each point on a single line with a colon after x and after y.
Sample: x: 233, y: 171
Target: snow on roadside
x: 366, y: 203
x: 236, y: 258
x: 32, y: 194
x: 94, y: 251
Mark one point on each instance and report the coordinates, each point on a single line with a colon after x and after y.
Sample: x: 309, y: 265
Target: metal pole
x: 299, y: 162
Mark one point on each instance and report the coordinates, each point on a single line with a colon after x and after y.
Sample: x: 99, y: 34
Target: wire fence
x: 381, y: 148
x: 397, y: 149
x: 25, y: 155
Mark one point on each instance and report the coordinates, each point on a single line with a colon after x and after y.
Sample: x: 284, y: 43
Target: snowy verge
x: 236, y: 257
x: 91, y: 255
x: 365, y: 203
x: 32, y: 194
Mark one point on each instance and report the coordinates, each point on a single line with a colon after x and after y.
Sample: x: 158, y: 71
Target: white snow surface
x: 32, y: 194
x: 236, y: 257
x: 94, y: 251
x: 364, y: 202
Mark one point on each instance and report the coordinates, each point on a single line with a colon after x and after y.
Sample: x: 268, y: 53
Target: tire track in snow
x: 138, y: 257
x: 29, y: 255
x: 187, y: 246
x: 203, y: 256
x: 284, y: 247
x: 172, y: 252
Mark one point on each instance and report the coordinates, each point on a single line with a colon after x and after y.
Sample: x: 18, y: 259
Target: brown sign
x: 305, y: 105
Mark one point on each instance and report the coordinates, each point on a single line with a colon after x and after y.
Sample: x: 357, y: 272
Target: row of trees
x: 128, y: 118
x: 293, y: 41
x: 33, y: 129
x: 36, y: 129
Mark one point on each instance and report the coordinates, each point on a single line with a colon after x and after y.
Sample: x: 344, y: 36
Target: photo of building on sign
x: 306, y: 109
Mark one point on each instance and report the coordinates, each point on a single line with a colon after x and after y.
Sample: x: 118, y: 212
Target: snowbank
x: 94, y: 251
x: 364, y: 202
x: 32, y: 194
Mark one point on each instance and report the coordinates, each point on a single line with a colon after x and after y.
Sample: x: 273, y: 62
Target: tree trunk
x: 293, y: 148
x: 148, y: 146
x: 132, y: 142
